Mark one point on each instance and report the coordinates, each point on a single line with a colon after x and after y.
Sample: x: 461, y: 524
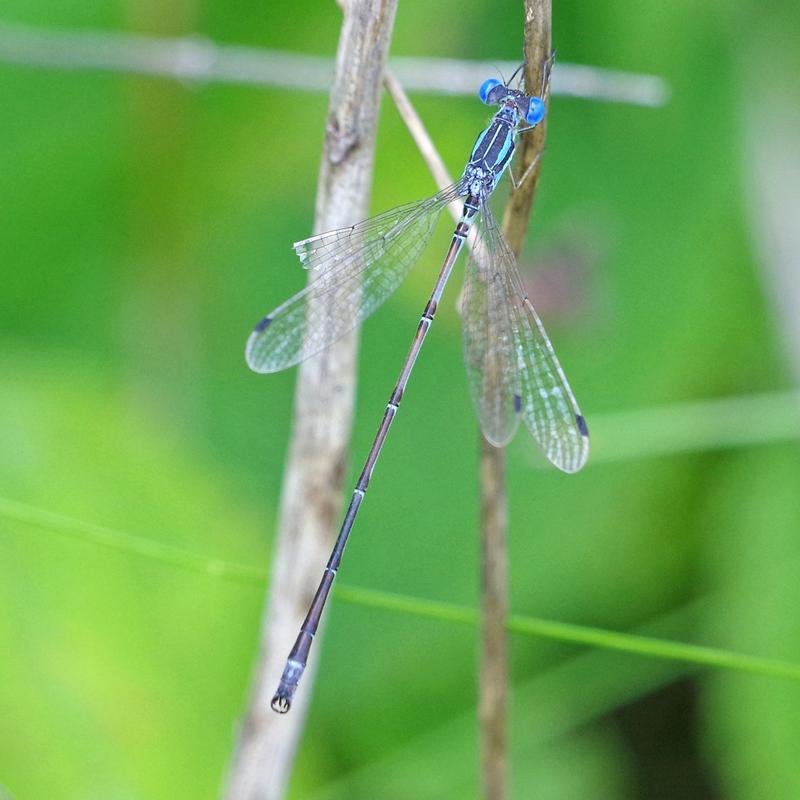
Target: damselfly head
x: 494, y: 92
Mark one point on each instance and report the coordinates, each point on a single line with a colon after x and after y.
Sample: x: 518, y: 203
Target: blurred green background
x: 146, y: 226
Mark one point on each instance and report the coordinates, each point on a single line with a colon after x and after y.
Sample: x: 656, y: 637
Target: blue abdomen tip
x: 263, y: 325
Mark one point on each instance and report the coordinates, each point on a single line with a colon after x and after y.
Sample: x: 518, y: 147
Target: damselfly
x: 513, y: 371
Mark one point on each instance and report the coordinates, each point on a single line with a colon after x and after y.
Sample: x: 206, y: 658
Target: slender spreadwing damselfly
x: 513, y: 372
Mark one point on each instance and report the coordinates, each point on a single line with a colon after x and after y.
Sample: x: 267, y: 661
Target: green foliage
x: 146, y: 226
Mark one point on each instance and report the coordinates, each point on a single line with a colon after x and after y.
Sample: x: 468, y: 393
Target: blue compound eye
x: 536, y: 111
x: 486, y: 89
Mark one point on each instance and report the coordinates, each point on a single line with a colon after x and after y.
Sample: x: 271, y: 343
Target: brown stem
x: 493, y: 691
x: 311, y: 498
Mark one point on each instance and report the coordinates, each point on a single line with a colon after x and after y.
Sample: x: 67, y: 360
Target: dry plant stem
x: 493, y: 691
x: 311, y: 499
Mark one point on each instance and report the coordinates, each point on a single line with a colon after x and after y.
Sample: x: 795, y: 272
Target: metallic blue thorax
x: 492, y: 152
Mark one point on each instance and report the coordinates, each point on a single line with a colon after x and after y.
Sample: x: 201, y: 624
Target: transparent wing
x: 355, y: 271
x: 547, y: 406
x: 489, y: 345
